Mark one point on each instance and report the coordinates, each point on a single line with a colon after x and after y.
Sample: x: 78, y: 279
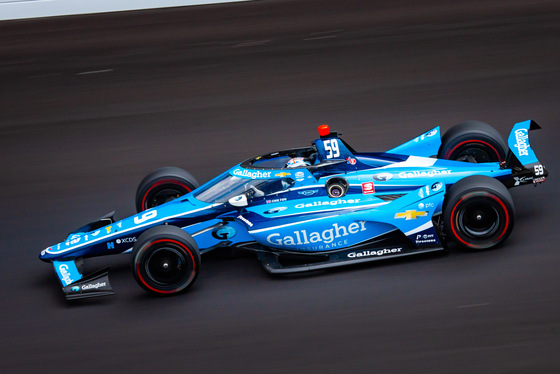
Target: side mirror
x: 239, y: 201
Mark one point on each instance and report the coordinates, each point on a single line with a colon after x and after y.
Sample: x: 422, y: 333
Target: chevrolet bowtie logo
x: 411, y: 214
x: 283, y: 174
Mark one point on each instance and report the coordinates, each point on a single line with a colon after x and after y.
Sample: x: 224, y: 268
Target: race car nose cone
x: 324, y: 130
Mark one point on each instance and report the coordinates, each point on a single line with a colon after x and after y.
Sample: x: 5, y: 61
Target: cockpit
x: 231, y: 186
x: 296, y: 157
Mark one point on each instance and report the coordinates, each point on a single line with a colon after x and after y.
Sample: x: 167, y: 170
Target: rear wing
x: 521, y: 159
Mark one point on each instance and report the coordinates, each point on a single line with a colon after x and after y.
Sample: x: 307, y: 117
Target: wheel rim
x: 167, y: 266
x: 163, y: 192
x: 478, y: 153
x: 163, y: 196
x: 480, y: 220
x: 480, y: 150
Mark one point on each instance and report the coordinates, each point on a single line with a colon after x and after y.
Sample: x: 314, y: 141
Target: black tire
x: 478, y: 212
x: 473, y: 141
x: 165, y: 260
x: 163, y: 185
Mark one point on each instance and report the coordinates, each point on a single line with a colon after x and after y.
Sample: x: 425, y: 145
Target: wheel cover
x: 479, y: 220
x: 168, y: 266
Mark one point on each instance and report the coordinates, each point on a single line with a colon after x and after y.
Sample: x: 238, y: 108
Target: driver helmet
x: 297, y: 162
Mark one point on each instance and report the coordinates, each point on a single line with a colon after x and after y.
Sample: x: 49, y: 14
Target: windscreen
x: 230, y: 186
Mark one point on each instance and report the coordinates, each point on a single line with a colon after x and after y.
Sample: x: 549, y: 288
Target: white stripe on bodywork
x: 288, y: 224
x: 411, y: 162
x: 354, y: 207
x: 425, y: 226
x: 103, y: 238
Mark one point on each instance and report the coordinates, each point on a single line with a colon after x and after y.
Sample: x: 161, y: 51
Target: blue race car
x: 313, y: 207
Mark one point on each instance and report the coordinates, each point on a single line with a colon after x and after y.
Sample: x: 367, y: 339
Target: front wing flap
x: 77, y: 286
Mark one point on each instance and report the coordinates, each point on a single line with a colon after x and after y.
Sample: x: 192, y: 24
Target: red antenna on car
x: 324, y: 130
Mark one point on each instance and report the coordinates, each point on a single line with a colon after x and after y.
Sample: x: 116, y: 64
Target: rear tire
x: 165, y: 260
x: 473, y: 141
x: 163, y: 185
x: 478, y: 212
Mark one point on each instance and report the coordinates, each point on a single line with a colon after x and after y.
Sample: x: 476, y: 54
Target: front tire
x: 163, y: 185
x: 473, y: 141
x: 165, y: 260
x: 478, y: 212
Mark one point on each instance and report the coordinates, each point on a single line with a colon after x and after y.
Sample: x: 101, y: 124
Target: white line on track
x: 251, y: 43
x: 320, y: 37
x: 95, y: 72
x: 472, y: 305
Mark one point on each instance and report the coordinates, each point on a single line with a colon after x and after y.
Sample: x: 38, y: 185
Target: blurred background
x: 90, y: 104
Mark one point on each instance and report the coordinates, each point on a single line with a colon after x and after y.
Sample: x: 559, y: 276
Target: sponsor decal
x: 300, y: 176
x: 368, y: 188
x: 382, y: 177
x: 521, y: 143
x: 329, y: 203
x: 351, y: 161
x: 245, y: 220
x: 423, y: 174
x: 426, y: 205
x: 251, y: 174
x: 411, y: 214
x: 308, y: 192
x: 425, y: 238
x: 132, y: 239
x: 224, y: 232
x: 75, y: 288
x: 279, y: 200
x: 110, y: 245
x: 119, y: 224
x: 282, y: 174
x: 95, y: 233
x: 276, y: 210
x: 523, y: 179
x: 65, y: 274
x: 331, y: 148
x: 436, y: 186
x: 329, y: 238
x: 379, y: 252
x: 426, y: 135
x: 93, y: 286
x: 74, y: 241
x: 146, y: 216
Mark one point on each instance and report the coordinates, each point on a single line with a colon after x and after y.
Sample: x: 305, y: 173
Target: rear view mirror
x: 239, y: 201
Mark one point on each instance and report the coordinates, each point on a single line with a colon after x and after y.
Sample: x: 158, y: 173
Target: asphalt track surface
x: 90, y: 104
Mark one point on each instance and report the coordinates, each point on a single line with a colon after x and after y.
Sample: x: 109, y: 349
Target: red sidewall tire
x: 478, y: 213
x: 165, y: 260
x: 477, y: 139
x: 163, y: 185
